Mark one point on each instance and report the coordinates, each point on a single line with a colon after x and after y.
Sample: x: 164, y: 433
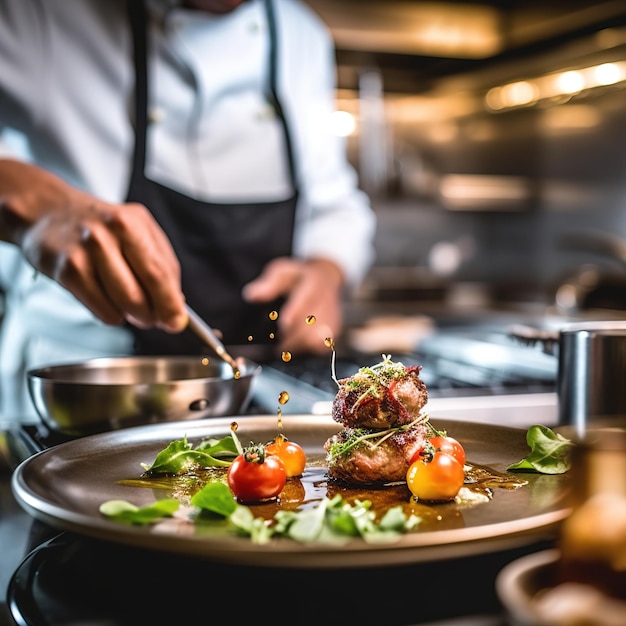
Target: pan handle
x: 206, y: 333
x: 16, y: 445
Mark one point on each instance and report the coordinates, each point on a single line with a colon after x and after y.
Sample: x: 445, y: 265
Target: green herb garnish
x: 550, y: 452
x: 180, y: 457
x: 333, y: 520
x: 368, y: 380
x: 127, y: 513
x: 371, y: 438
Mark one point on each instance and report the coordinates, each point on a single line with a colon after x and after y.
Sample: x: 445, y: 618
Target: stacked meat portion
x: 380, y: 409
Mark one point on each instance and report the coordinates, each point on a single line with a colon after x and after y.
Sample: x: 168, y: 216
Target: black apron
x: 220, y: 247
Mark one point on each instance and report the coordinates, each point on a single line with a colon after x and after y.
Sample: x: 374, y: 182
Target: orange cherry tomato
x: 435, y: 477
x: 290, y: 453
x: 255, y: 476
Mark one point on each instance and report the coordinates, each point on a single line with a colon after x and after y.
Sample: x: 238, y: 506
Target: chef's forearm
x: 27, y: 193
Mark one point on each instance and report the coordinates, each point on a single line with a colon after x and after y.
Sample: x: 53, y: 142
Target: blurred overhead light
x: 569, y: 83
x: 607, y: 74
x: 552, y: 86
x: 343, y: 123
x: 483, y: 192
x: 455, y: 30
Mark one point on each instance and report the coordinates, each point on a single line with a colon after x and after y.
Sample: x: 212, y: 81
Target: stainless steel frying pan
x: 104, y: 394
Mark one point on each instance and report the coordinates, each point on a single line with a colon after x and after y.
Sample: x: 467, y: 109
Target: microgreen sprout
x: 372, y: 438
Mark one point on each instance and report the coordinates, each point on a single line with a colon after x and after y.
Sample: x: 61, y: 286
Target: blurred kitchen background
x: 491, y: 137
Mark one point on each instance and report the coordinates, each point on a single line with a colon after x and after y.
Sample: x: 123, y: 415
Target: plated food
x: 387, y: 445
x: 65, y: 487
x: 380, y: 409
x: 387, y: 438
x: 376, y: 513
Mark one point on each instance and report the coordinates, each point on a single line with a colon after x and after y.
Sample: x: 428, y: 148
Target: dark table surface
x: 53, y: 578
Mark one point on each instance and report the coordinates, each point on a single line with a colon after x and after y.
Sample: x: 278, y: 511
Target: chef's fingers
x: 76, y: 273
x: 113, y: 258
x: 54, y: 245
x: 150, y: 255
x: 276, y: 279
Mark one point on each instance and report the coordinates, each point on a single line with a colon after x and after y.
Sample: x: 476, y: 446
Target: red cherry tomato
x: 435, y: 477
x: 255, y: 476
x: 441, y: 443
x: 290, y: 453
x: 450, y: 446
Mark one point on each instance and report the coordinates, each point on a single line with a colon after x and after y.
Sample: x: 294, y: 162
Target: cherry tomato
x: 290, y: 453
x: 450, y: 446
x: 255, y: 476
x: 442, y: 443
x: 435, y: 477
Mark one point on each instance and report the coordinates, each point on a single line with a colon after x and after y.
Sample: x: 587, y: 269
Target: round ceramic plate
x: 64, y: 486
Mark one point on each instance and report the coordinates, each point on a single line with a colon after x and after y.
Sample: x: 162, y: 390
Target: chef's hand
x: 113, y: 257
x: 311, y: 288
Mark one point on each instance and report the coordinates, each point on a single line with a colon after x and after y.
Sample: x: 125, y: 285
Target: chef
x: 161, y: 152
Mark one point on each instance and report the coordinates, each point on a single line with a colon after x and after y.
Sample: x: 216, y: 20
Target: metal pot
x: 109, y: 393
x: 591, y: 370
x: 592, y: 373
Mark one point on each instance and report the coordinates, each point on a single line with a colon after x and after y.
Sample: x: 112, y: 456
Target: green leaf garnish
x: 550, y: 452
x: 180, y: 457
x: 127, y: 513
x: 332, y: 520
x: 215, y: 497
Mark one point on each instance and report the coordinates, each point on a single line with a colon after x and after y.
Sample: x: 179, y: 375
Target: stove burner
x: 75, y: 580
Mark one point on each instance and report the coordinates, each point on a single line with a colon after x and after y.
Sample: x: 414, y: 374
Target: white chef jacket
x: 66, y: 90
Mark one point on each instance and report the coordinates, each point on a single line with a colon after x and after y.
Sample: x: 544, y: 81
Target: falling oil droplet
x: 250, y: 337
x: 205, y: 361
x: 310, y: 319
x: 273, y: 315
x: 271, y: 335
x: 234, y: 426
x: 286, y: 357
x: 329, y: 342
x: 279, y: 423
x: 283, y: 397
x: 236, y: 374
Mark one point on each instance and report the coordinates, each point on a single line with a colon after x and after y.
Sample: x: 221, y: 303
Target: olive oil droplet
x: 310, y: 319
x: 271, y: 335
x: 286, y: 357
x: 279, y: 423
x: 236, y: 374
x: 283, y: 397
x: 273, y: 315
x: 205, y: 361
x: 250, y: 337
x: 234, y: 426
x: 329, y: 342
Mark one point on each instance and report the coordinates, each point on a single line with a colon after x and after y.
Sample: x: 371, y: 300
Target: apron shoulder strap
x: 138, y: 15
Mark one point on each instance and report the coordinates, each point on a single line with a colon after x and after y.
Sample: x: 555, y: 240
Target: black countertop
x: 52, y: 578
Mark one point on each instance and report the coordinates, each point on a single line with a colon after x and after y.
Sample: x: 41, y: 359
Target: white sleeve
x: 22, y: 67
x: 335, y: 219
